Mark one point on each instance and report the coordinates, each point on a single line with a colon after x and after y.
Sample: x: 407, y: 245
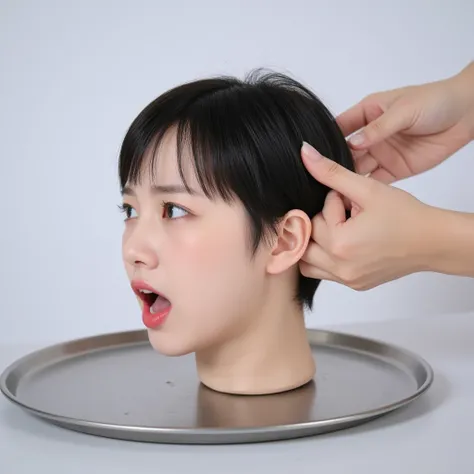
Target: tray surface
x: 117, y: 386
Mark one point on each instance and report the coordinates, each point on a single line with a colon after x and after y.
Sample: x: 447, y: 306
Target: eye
x: 127, y: 210
x: 172, y: 211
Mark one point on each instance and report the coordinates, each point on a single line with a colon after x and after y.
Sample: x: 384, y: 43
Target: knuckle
x: 350, y: 276
x: 340, y: 249
x: 405, y: 103
x: 375, y: 129
x: 371, y: 187
x: 302, y: 268
x: 371, y: 97
x: 356, y: 283
x: 305, y: 269
x: 332, y: 168
x: 373, y: 104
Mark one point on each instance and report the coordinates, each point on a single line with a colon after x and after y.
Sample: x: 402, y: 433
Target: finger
x: 352, y: 119
x: 383, y: 176
x: 392, y: 121
x: 316, y: 257
x: 334, y: 211
x: 357, y: 154
x: 328, y: 172
x: 347, y: 203
x: 366, y: 164
x: 355, y: 211
x: 319, y: 231
x: 358, y: 117
x: 309, y: 271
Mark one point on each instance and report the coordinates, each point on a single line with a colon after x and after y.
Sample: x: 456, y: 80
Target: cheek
x: 210, y: 270
x: 208, y: 250
x: 128, y: 266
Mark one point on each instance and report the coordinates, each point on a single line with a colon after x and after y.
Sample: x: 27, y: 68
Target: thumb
x: 332, y: 174
x: 396, y: 118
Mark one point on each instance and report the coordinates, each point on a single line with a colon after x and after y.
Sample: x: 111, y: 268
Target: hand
x: 384, y: 239
x: 412, y: 129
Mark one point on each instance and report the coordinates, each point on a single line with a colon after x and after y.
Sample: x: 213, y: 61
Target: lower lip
x: 154, y: 320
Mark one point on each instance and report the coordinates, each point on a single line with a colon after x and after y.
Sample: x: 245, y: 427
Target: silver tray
x: 117, y: 386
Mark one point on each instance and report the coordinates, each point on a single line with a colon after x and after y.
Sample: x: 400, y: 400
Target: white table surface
x: 434, y: 434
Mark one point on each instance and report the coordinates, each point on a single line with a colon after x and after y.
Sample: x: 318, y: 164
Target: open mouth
x: 148, y: 297
x: 156, y: 306
x: 154, y: 301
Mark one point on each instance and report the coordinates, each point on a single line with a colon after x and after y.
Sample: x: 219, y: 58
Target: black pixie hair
x: 245, y: 137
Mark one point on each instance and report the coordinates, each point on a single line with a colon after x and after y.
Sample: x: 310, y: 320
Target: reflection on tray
x: 221, y: 410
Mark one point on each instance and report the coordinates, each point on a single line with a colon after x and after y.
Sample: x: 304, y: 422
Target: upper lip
x: 138, y: 285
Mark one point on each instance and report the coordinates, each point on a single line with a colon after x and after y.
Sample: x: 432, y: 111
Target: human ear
x: 294, y: 232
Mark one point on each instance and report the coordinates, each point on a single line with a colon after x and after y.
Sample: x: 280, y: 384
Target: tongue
x: 159, y: 305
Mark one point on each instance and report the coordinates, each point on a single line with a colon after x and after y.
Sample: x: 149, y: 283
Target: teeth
x: 147, y: 292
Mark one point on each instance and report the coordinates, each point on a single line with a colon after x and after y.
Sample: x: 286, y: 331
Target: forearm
x: 449, y: 235
x: 448, y: 243
x: 464, y: 84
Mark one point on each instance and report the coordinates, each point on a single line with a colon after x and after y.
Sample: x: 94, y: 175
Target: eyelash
x: 126, y: 208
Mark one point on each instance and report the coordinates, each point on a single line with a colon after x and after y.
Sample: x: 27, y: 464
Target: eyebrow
x: 164, y: 189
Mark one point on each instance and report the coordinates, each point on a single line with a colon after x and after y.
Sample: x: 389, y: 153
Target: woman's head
x: 219, y: 202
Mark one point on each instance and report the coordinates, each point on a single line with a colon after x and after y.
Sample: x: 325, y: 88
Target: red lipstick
x: 156, y: 305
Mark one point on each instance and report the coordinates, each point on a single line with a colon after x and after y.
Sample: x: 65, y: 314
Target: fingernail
x: 357, y: 139
x: 310, y: 151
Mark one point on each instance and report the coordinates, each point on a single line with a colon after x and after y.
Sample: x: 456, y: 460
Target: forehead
x: 160, y: 164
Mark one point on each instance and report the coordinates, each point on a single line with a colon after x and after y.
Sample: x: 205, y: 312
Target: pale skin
x: 390, y: 233
x: 236, y: 313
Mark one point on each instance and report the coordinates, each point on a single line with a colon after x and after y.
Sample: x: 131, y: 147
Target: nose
x: 139, y: 246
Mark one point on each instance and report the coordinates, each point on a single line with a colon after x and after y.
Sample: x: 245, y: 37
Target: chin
x: 167, y: 345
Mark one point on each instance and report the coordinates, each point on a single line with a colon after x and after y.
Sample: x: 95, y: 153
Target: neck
x: 272, y: 356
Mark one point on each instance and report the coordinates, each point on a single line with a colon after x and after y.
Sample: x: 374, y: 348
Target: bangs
x: 205, y: 132
x: 192, y: 148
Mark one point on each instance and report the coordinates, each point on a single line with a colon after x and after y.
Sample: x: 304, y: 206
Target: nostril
x: 143, y: 257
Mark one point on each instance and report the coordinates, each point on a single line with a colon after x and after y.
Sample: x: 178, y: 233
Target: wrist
x: 448, y: 238
x: 464, y: 85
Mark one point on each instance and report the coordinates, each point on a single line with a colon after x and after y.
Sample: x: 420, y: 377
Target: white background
x: 74, y: 74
